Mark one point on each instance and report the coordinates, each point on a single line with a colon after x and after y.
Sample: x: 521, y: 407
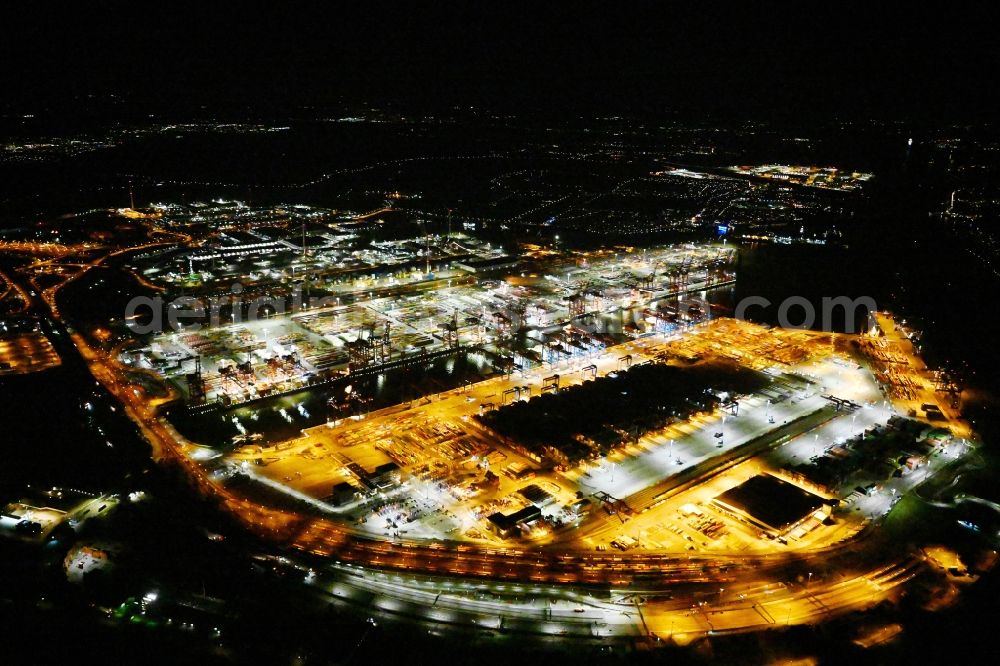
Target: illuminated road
x: 771, y: 602
x: 328, y: 538
x: 565, y: 610
x: 738, y: 592
x: 13, y: 289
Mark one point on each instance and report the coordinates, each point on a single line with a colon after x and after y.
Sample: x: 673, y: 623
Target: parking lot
x: 455, y: 472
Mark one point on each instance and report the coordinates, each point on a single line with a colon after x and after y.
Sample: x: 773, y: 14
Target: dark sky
x: 801, y: 57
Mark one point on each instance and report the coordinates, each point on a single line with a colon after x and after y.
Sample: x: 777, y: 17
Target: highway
x: 573, y: 612
x: 330, y: 539
x: 761, y: 596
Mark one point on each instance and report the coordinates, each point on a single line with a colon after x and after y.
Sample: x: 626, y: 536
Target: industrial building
x: 772, y: 505
x: 507, y: 525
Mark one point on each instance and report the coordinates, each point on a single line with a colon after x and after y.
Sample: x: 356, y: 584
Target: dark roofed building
x: 506, y: 525
x: 343, y: 493
x: 771, y: 504
x: 536, y: 495
x: 385, y: 474
x: 487, y: 265
x: 382, y: 476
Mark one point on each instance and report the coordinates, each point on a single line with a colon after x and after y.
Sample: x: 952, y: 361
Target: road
x: 330, y: 539
x: 762, y: 599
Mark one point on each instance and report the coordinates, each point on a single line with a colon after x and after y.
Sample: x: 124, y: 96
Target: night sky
x: 903, y: 92
x: 849, y: 58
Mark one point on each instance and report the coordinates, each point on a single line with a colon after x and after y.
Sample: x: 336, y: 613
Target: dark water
x: 810, y: 272
x: 904, y: 260
x: 311, y: 408
x: 772, y: 272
